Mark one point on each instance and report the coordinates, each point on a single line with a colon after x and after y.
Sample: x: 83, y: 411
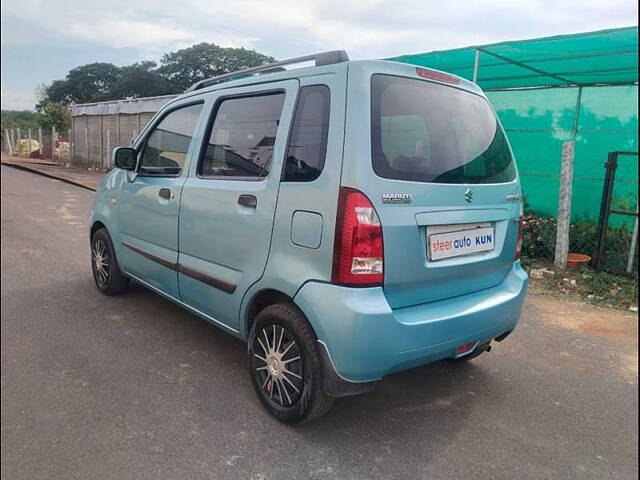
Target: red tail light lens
x: 358, y: 256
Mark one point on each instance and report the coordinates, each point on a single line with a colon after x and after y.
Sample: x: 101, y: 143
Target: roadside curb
x: 62, y: 178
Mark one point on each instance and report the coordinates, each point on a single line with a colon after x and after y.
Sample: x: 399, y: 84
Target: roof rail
x: 323, y: 58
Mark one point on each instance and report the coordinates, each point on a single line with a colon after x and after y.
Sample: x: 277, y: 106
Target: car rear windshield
x: 427, y: 132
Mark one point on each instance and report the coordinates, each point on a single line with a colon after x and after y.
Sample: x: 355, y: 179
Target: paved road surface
x: 134, y: 387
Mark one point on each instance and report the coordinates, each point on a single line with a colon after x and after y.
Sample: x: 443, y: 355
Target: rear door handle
x: 165, y: 193
x: 249, y: 201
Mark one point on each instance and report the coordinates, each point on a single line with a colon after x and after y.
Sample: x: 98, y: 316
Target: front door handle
x: 249, y: 201
x: 165, y: 193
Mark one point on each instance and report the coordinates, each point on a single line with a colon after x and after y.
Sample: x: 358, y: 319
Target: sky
x: 43, y: 40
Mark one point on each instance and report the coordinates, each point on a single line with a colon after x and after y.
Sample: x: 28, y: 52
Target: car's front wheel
x: 285, y: 365
x: 104, y: 265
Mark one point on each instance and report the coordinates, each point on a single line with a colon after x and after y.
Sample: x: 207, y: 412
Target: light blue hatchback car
x: 348, y: 220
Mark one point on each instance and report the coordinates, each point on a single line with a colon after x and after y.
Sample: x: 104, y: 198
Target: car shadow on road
x: 434, y: 398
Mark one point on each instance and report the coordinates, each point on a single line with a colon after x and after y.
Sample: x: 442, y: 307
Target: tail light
x: 358, y: 256
x: 520, y: 228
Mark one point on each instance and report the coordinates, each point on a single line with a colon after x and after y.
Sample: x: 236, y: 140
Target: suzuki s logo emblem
x: 396, y: 198
x: 468, y: 195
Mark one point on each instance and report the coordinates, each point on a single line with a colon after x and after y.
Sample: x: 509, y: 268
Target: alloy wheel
x: 278, y: 365
x: 101, y: 261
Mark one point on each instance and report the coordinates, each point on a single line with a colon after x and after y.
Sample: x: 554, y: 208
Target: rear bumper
x: 365, y: 339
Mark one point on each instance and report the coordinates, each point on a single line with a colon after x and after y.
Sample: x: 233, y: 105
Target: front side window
x: 308, y: 142
x: 242, y: 137
x: 427, y: 132
x: 165, y: 150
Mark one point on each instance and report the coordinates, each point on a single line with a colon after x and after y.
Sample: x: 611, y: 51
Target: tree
x: 140, y: 80
x: 88, y: 83
x: 51, y: 114
x: 189, y: 65
x: 179, y: 70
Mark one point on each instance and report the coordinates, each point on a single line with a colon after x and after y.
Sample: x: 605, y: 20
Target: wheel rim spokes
x: 280, y: 370
x: 101, y: 263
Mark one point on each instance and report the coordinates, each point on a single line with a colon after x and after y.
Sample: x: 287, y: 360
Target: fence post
x: 53, y: 143
x: 117, y: 144
x: 634, y: 240
x: 6, y: 133
x: 605, y: 207
x: 109, y: 149
x: 69, y: 132
x: 19, y: 138
x: 40, y: 141
x: 101, y: 156
x: 86, y: 140
x: 29, y: 149
x: 13, y: 138
x: 564, y: 205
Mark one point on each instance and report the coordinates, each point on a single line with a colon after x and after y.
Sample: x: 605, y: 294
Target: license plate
x: 460, y: 242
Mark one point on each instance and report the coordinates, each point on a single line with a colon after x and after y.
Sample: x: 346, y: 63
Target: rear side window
x: 242, y: 137
x: 428, y: 132
x: 165, y: 151
x: 308, y: 142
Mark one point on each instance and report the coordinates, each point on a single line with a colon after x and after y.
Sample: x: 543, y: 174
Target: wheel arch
x: 261, y: 300
x: 95, y: 226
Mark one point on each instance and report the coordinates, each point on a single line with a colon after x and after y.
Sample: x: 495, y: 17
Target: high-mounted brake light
x: 439, y: 76
x: 358, y: 256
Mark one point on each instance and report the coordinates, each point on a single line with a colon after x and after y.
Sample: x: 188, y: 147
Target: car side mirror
x: 125, y: 158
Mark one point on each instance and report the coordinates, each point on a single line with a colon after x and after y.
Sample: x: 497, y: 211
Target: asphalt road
x: 134, y: 387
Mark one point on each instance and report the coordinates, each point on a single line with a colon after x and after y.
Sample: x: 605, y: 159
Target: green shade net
x: 538, y: 119
x: 607, y: 56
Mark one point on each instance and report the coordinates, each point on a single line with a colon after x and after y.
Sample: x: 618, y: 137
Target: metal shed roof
x: 128, y: 106
x: 608, y: 57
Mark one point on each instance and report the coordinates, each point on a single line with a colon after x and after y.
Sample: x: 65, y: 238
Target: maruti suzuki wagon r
x: 348, y: 220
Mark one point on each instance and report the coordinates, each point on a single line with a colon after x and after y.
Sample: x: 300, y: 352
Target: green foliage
x: 185, y: 67
x: 52, y: 114
x: 539, y: 239
x: 597, y: 287
x: 141, y: 79
x: 18, y: 119
x: 97, y: 82
x: 87, y: 83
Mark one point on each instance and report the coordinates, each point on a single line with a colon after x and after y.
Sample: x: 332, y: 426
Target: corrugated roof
x: 129, y: 106
x: 607, y: 57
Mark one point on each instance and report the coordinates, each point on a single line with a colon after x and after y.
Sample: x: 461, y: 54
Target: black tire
x: 480, y: 349
x: 108, y: 277
x: 291, y: 390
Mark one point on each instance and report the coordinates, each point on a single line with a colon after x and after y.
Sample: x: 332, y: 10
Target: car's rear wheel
x: 106, y: 272
x: 285, y: 365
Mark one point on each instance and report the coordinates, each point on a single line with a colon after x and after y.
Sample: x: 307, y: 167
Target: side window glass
x: 165, y: 151
x: 242, y: 137
x: 308, y: 143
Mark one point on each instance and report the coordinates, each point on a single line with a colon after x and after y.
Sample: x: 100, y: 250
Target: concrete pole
x: 29, y: 136
x: 69, y: 133
x: 109, y: 149
x: 86, y: 141
x: 6, y: 134
x: 19, y: 134
x: 40, y: 141
x: 566, y: 192
x: 117, y: 142
x: 53, y: 143
x: 101, y: 156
